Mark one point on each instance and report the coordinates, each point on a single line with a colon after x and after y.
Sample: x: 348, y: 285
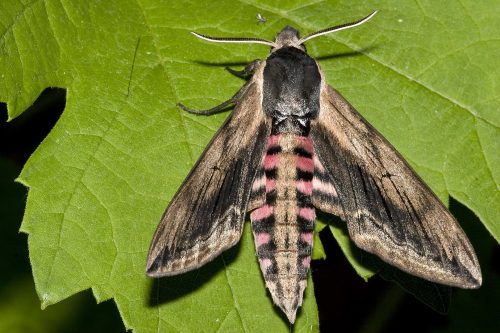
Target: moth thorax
x: 292, y: 125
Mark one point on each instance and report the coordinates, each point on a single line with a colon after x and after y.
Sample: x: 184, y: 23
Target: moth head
x: 288, y: 37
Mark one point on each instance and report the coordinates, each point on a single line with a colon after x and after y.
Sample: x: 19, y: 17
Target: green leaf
x: 101, y: 179
x: 19, y: 304
x: 318, y: 250
x: 352, y: 253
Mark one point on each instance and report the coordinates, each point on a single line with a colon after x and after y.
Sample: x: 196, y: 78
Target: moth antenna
x: 234, y: 40
x: 336, y: 28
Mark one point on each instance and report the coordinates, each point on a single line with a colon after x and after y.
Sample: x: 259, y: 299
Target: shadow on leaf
x: 170, y: 288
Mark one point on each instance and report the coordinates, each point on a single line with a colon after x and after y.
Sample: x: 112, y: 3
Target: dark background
x: 346, y: 303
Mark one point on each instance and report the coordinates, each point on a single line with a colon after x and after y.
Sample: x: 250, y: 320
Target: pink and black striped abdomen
x: 283, y: 225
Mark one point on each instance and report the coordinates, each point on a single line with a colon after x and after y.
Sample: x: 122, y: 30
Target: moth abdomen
x: 283, y: 226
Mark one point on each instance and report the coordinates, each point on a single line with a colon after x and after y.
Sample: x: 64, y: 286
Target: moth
x: 291, y: 145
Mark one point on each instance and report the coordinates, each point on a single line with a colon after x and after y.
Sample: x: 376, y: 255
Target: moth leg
x: 247, y: 71
x: 219, y: 108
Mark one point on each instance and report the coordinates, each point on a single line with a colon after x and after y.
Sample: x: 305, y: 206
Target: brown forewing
x: 389, y: 210
x: 207, y: 213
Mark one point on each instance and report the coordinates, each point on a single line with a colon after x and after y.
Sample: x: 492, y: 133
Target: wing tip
x: 155, y: 270
x: 474, y: 280
x: 152, y: 272
x: 152, y: 268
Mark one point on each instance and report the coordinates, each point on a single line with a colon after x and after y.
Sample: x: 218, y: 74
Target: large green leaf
x: 426, y: 77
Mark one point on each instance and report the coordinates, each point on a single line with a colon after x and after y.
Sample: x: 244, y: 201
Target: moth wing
x: 389, y: 210
x: 206, y: 215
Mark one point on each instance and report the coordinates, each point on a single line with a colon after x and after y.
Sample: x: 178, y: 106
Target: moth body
x: 283, y: 225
